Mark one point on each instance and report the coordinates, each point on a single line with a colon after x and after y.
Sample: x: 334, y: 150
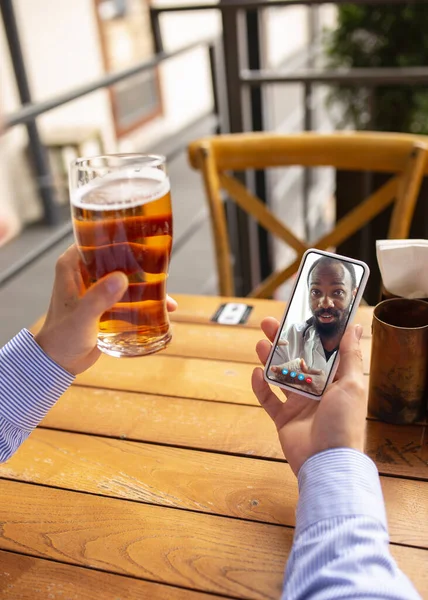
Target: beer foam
x: 121, y: 190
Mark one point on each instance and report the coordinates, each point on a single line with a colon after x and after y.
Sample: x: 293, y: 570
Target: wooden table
x: 161, y: 478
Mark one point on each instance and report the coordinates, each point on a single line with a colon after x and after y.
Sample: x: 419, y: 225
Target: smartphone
x: 327, y: 291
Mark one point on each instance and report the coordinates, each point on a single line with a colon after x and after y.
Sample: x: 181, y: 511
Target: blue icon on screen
x: 301, y: 377
x: 293, y: 374
x: 285, y: 371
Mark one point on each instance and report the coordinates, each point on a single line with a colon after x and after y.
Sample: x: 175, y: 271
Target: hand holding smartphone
x: 305, y: 353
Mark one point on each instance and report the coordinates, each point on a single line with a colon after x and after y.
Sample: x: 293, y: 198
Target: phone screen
x: 315, y: 321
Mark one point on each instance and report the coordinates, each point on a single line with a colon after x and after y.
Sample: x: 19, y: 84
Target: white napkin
x: 403, y: 265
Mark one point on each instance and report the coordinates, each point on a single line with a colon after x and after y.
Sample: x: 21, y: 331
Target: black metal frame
x: 230, y: 109
x: 245, y: 105
x: 367, y: 77
x: 261, y: 257
x: 239, y: 233
x: 251, y: 4
x: 29, y: 112
x: 38, y: 153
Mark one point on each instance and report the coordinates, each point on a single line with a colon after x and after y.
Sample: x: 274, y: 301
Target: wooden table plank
x: 201, y: 552
x: 200, y: 309
x: 205, y: 482
x: 398, y: 450
x: 227, y: 428
x: 406, y: 504
x: 167, y: 420
x: 29, y: 578
x: 244, y: 488
x: 174, y: 376
x: 218, y: 342
x: 171, y: 546
x: 412, y: 570
x: 218, y: 380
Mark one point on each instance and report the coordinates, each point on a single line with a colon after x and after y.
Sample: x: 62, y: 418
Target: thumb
x: 351, y: 361
x: 102, y: 295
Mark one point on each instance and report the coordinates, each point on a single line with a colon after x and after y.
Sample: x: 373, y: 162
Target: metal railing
x: 29, y: 111
x: 240, y: 77
x: 250, y: 4
x: 243, y: 74
x: 238, y: 101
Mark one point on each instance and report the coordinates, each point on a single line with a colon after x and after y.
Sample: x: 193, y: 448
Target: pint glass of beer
x: 121, y: 209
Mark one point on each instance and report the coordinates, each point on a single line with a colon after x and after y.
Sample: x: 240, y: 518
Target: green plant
x: 381, y: 36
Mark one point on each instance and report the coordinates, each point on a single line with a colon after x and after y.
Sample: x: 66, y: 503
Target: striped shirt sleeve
x: 30, y: 384
x: 340, y: 547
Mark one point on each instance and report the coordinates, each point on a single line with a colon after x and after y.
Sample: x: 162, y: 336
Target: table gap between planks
x: 162, y: 478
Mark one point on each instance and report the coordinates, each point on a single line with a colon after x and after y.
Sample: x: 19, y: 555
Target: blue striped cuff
x: 338, y: 483
x: 30, y: 381
x: 11, y: 438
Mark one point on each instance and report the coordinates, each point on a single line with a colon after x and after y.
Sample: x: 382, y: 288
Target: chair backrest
x: 403, y: 156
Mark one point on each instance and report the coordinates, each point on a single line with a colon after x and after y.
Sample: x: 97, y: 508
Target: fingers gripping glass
x: 121, y: 208
x: 305, y: 353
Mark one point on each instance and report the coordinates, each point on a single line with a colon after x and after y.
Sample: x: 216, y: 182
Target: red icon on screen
x: 308, y: 379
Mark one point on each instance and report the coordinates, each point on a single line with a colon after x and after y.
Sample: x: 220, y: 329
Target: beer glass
x: 121, y: 210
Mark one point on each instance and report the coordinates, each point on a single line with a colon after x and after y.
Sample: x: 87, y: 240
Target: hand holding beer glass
x: 122, y: 220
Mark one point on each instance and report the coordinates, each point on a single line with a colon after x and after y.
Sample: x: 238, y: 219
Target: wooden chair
x: 404, y: 156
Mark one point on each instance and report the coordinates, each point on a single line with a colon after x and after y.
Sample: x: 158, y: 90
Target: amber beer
x: 123, y: 222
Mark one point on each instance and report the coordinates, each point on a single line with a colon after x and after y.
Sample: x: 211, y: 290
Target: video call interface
x: 316, y: 320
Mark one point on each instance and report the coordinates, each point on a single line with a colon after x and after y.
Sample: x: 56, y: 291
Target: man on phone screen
x: 308, y: 349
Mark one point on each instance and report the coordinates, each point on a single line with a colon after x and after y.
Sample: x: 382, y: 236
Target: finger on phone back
x: 266, y: 397
x: 270, y: 327
x: 263, y: 348
x: 351, y: 362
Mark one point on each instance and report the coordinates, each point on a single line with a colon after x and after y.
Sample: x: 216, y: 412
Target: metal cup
x: 399, y: 361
